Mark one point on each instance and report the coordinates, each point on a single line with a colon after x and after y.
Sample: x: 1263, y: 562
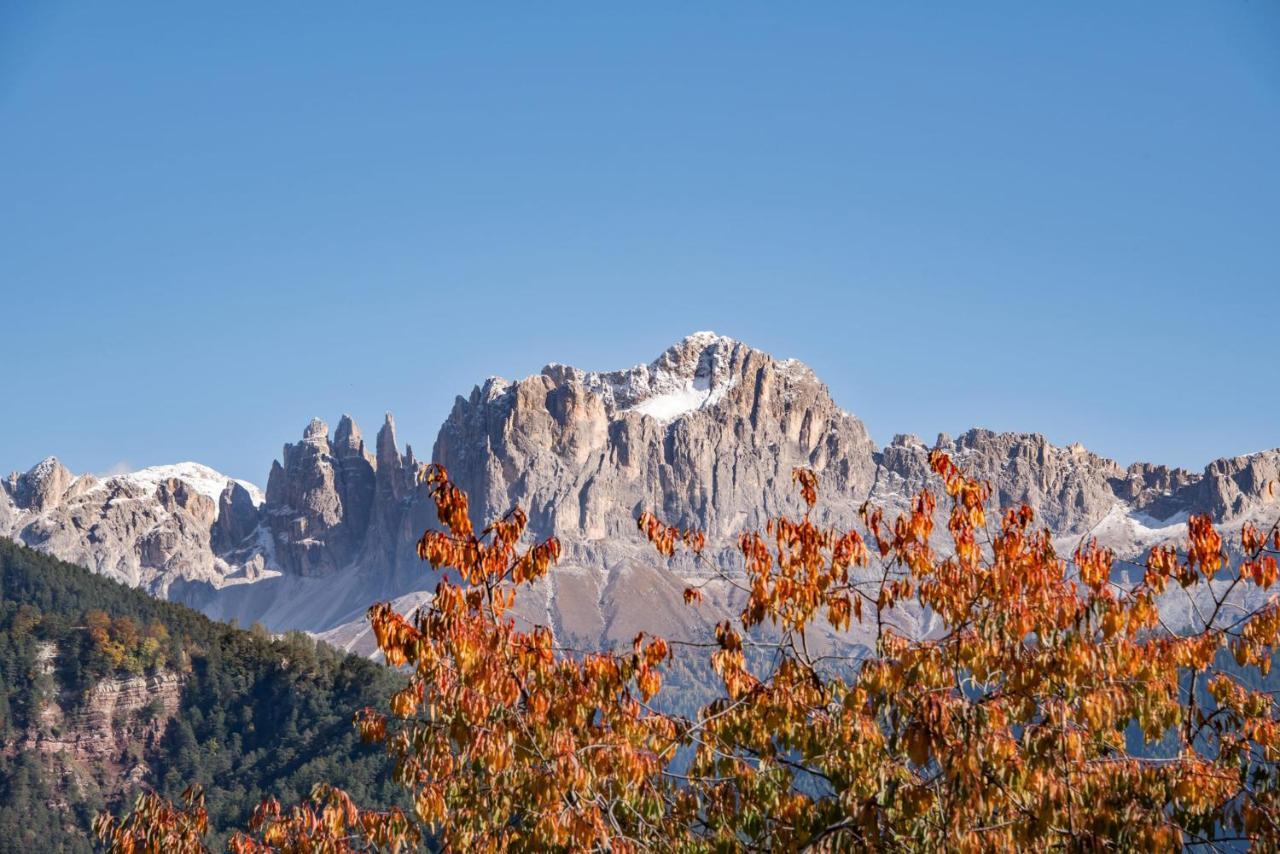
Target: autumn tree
x: 1049, y: 706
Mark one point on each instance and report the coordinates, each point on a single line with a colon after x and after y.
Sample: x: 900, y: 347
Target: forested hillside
x: 104, y: 689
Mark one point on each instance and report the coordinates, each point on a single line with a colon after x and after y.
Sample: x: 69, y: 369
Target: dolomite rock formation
x: 236, y: 522
x: 309, y: 499
x: 1232, y: 488
x: 332, y: 505
x: 1070, y: 488
x: 42, y: 487
x: 706, y: 435
x: 147, y: 529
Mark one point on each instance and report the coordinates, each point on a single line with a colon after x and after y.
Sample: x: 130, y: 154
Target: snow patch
x: 691, y: 375
x: 671, y: 405
x: 44, y: 469
x: 1131, y: 532
x: 200, y: 478
x: 1141, y: 529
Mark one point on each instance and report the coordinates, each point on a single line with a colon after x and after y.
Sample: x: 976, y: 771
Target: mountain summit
x: 690, y: 375
x: 707, y: 433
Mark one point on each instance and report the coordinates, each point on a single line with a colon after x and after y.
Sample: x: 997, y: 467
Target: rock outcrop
x: 1070, y: 488
x: 1232, y: 488
x: 115, y: 715
x: 332, y: 504
x: 236, y: 524
x: 399, y: 511
x: 96, y: 741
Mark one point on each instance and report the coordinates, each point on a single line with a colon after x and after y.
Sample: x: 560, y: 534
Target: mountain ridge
x: 705, y: 435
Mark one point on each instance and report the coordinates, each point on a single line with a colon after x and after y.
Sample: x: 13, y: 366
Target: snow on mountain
x: 201, y: 478
x: 690, y: 375
x: 1132, y: 531
x: 695, y: 394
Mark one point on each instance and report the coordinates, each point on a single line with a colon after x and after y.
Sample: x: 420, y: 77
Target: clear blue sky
x: 217, y: 220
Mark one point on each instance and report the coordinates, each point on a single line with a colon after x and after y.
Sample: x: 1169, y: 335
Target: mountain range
x: 706, y: 435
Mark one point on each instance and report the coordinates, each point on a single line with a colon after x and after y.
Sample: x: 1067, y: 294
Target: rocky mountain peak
x: 148, y: 528
x: 707, y: 433
x: 1232, y: 487
x: 304, y: 505
x: 386, y: 442
x: 700, y: 356
x: 347, y: 438
x: 316, y: 431
x: 690, y: 375
x: 237, y: 522
x: 396, y: 475
x: 194, y: 476
x: 330, y: 503
x: 42, y: 486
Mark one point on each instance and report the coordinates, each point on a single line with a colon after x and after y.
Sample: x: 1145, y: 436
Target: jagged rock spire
x: 348, y: 435
x: 317, y: 430
x: 386, y: 442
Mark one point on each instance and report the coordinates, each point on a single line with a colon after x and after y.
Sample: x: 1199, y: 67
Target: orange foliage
x: 1010, y: 724
x: 329, y: 822
x: 156, y: 826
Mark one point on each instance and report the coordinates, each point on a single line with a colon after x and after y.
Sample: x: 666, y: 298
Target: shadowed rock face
x: 236, y: 524
x: 706, y: 435
x: 319, y: 500
x: 333, y: 505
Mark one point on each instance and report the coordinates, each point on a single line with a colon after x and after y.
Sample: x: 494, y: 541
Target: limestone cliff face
x: 313, y: 504
x: 400, y: 511
x: 1232, y: 489
x: 706, y: 435
x: 115, y: 717
x: 1070, y: 487
x: 42, y: 487
x: 236, y: 524
x: 1073, y: 489
x: 333, y: 505
x: 96, y: 742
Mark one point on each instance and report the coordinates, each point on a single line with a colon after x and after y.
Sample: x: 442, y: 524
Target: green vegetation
x: 258, y: 716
